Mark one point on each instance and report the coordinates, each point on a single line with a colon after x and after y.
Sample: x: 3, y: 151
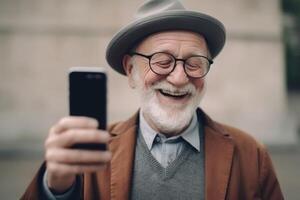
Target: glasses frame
x: 149, y: 57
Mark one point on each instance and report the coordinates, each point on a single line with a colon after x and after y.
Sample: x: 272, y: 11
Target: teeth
x: 173, y: 93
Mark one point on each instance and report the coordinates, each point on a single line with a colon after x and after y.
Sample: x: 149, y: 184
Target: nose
x: 178, y: 77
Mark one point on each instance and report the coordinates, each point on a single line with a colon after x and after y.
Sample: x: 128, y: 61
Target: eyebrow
x: 186, y: 56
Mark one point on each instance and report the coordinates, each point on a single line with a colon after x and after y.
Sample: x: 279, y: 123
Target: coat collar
x: 219, y: 150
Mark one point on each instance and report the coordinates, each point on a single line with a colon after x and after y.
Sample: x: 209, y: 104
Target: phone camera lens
x: 89, y: 76
x: 97, y: 76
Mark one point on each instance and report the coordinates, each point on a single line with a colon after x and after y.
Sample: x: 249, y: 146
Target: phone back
x: 87, y: 94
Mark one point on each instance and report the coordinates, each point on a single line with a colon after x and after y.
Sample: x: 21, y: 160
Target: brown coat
x: 236, y: 166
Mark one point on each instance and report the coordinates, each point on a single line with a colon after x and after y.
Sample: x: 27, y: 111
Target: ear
x: 127, y: 65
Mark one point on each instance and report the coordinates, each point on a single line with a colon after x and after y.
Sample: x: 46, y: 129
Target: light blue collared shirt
x: 165, y: 150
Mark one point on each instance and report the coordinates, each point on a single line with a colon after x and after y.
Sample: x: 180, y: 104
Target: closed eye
x: 163, y: 64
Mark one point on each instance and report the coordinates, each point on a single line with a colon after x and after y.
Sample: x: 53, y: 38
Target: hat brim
x: 210, y: 28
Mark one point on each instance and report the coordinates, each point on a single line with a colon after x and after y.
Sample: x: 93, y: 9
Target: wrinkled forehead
x: 175, y: 37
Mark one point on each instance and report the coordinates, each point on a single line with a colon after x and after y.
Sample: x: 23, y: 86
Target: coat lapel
x: 123, y: 147
x: 219, y: 150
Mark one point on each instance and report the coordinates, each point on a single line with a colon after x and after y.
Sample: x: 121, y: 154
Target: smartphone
x: 87, y: 97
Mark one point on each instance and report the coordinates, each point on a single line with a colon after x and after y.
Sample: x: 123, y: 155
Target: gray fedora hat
x: 163, y: 15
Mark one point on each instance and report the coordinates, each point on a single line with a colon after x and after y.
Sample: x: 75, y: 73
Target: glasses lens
x: 196, y: 66
x: 162, y: 63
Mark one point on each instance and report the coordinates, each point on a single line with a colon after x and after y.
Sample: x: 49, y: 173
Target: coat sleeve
x: 270, y: 188
x: 35, y: 189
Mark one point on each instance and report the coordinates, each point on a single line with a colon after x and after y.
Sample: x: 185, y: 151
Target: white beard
x: 171, y: 118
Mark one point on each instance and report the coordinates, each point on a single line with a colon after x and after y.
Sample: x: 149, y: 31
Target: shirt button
x: 157, y: 139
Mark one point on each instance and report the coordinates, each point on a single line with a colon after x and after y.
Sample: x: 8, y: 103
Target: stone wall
x: 41, y: 39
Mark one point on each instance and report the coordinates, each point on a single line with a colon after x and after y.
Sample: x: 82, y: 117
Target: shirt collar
x: 190, y: 134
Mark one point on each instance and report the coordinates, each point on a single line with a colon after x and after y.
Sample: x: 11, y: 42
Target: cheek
x: 148, y: 77
x: 142, y: 74
x: 151, y: 78
x: 199, y: 84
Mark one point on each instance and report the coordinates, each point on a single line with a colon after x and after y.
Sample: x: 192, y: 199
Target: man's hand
x: 63, y: 162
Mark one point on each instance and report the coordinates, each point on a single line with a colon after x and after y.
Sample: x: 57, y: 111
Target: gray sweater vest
x: 183, y: 179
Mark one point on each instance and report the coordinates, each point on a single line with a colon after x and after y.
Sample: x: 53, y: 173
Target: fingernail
x: 93, y: 123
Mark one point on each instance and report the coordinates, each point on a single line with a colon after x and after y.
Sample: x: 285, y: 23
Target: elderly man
x: 170, y: 149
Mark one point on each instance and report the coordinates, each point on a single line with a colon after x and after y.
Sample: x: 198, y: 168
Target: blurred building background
x: 253, y: 85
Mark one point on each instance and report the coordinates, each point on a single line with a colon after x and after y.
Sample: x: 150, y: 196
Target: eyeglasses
x: 163, y: 63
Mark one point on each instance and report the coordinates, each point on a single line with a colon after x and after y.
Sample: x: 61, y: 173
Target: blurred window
x: 291, y: 10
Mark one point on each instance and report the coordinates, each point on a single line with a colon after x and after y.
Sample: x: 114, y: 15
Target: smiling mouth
x: 175, y: 95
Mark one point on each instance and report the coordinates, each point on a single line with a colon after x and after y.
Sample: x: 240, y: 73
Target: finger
x: 61, y: 169
x: 75, y: 156
x: 74, y: 122
x: 75, y: 136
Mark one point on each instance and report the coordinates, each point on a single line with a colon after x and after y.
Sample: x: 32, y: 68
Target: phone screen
x: 88, y: 98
